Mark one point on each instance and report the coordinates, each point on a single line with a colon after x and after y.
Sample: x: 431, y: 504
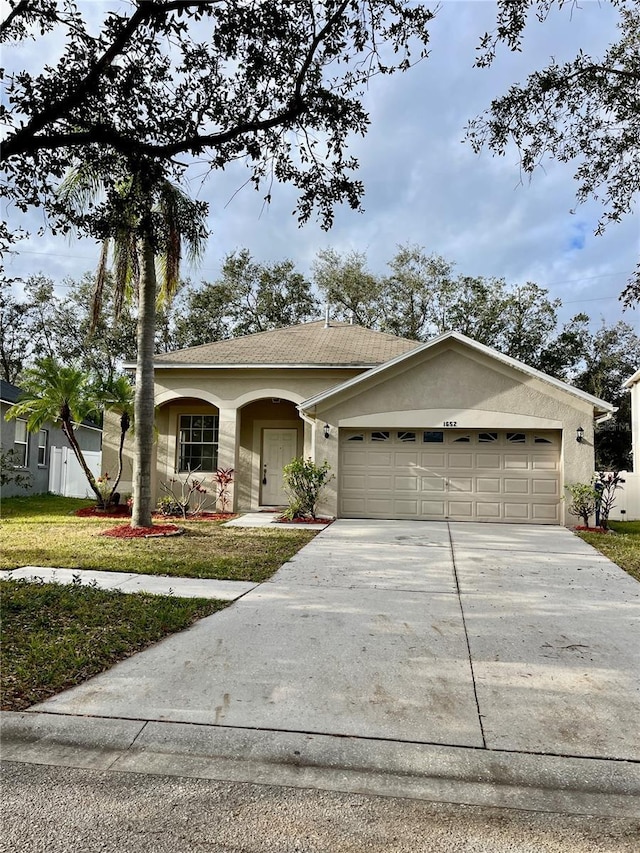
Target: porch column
x: 228, y: 423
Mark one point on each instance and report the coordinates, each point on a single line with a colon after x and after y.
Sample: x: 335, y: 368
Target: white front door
x: 279, y: 447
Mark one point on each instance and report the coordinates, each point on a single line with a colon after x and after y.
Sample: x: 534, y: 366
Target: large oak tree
x: 276, y: 84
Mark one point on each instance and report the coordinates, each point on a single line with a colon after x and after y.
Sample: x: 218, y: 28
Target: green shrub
x: 583, y: 500
x: 303, y: 482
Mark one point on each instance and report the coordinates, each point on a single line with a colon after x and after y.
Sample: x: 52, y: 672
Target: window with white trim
x: 43, y: 448
x: 21, y: 444
x: 198, y: 443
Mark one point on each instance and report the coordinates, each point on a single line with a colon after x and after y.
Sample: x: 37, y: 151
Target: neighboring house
x: 449, y: 429
x: 628, y: 497
x: 46, y: 455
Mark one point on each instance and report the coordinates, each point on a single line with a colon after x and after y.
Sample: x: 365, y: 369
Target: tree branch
x: 147, y: 9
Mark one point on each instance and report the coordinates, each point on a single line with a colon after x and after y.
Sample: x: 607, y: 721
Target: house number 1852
x: 450, y: 423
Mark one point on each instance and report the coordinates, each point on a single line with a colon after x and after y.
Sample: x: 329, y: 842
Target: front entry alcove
x: 271, y: 435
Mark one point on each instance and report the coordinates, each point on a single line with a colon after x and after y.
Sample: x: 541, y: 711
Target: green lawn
x: 622, y: 546
x: 55, y: 635
x: 42, y: 530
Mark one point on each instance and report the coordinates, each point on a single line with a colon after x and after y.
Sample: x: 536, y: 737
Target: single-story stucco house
x: 448, y: 429
x: 45, y: 455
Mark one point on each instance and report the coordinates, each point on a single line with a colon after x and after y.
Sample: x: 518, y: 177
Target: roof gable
x: 600, y: 405
x: 632, y: 380
x: 305, y: 345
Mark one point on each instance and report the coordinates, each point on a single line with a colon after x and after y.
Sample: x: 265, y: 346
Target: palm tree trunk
x: 144, y: 391
x: 124, y: 427
x: 67, y: 429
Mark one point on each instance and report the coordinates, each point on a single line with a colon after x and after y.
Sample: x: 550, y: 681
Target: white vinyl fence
x: 67, y: 478
x: 627, y: 506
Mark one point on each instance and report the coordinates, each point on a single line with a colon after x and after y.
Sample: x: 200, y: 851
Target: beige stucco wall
x: 232, y: 394
x: 455, y: 384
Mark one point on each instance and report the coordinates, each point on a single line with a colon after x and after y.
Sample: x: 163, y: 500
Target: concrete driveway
x: 489, y: 653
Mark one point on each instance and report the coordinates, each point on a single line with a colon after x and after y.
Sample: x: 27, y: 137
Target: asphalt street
x: 65, y: 810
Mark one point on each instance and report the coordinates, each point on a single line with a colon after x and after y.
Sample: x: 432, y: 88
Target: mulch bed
x: 112, y: 512
x: 124, y: 531
x: 583, y: 529
x: 304, y: 520
x: 125, y: 512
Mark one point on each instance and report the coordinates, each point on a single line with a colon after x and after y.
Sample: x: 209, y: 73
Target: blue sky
x: 424, y: 185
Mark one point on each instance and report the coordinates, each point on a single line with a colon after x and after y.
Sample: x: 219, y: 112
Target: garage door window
x: 433, y: 437
x: 380, y: 436
x: 487, y: 437
x: 516, y: 437
x: 407, y: 436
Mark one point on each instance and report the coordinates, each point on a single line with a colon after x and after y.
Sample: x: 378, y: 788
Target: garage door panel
x: 432, y: 484
x: 545, y: 513
x: 408, y: 509
x: 407, y: 460
x: 433, y: 460
x: 460, y: 460
x: 488, y: 460
x: 380, y: 481
x: 545, y: 462
x: 544, y: 487
x: 460, y: 484
x: 354, y: 458
x: 405, y: 484
x: 516, y: 461
x: 432, y: 509
x: 380, y: 458
x: 356, y: 482
x: 354, y: 506
x: 516, y: 487
x: 490, y: 485
x: 461, y: 509
x: 516, y: 511
x: 497, y: 480
x: 489, y: 509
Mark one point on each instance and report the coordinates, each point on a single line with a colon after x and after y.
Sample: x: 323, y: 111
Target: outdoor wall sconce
x: 327, y: 430
x: 579, y: 435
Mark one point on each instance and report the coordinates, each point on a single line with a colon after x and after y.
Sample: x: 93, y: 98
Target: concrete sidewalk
x: 487, y: 664
x: 131, y: 582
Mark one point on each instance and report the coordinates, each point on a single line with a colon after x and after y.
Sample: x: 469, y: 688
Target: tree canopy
x: 278, y: 85
x: 585, y: 112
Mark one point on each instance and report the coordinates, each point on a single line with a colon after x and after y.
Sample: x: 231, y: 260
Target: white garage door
x: 462, y: 475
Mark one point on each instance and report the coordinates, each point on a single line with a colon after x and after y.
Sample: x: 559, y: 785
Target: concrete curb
x: 437, y: 773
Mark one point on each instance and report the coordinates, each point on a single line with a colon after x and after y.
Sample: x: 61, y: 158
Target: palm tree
x: 118, y: 397
x: 56, y: 393
x: 147, y: 219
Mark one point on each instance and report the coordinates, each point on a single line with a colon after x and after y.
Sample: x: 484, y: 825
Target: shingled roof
x: 308, y: 344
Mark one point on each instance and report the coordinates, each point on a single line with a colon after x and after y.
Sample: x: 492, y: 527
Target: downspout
x: 313, y: 423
